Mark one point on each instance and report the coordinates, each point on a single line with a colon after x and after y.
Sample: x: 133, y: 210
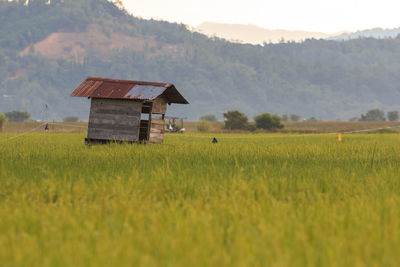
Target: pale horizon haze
x: 306, y: 15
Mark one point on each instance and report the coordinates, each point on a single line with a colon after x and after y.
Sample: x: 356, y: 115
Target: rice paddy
x: 250, y: 200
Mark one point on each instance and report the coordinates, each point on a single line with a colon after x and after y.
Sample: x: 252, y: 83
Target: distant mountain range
x: 257, y: 35
x: 376, y: 33
x: 254, y: 34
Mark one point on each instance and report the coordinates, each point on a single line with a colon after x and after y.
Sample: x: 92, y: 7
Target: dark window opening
x: 145, y: 121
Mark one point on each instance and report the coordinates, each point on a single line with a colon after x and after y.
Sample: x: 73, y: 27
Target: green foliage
x: 393, y: 115
x: 235, y: 120
x: 23, y: 25
x: 312, y: 119
x: 239, y: 203
x: 251, y: 127
x: 294, y: 117
x: 267, y: 121
x: 17, y: 116
x: 285, y: 117
x: 71, y: 119
x: 203, y: 126
x: 209, y: 117
x: 373, y: 115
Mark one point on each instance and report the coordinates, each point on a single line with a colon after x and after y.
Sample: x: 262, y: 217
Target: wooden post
x: 149, y: 127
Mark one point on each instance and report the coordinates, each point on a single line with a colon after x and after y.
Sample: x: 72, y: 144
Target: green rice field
x: 250, y: 200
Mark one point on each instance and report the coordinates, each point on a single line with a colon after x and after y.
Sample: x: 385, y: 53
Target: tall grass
x: 250, y: 200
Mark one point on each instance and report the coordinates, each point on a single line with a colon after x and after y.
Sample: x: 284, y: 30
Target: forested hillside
x: 46, y: 50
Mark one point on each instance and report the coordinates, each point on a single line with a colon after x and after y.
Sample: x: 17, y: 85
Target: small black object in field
x: 214, y: 141
x: 46, y: 128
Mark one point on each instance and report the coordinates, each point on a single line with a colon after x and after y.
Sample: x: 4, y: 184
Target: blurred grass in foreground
x: 250, y: 200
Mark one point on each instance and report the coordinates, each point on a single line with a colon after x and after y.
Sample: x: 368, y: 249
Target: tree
x: 294, y: 117
x: 393, y: 115
x: 312, y: 119
x: 2, y: 120
x: 17, y: 116
x: 235, y: 120
x: 267, y: 121
x: 209, y: 117
x: 71, y: 119
x: 373, y: 115
x: 285, y: 117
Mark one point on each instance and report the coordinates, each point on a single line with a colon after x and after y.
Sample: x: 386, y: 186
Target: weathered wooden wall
x: 157, y: 125
x: 159, y: 105
x: 114, y: 119
x: 157, y: 131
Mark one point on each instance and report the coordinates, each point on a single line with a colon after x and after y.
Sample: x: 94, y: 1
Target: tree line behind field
x: 236, y: 120
x: 22, y: 116
x: 377, y: 115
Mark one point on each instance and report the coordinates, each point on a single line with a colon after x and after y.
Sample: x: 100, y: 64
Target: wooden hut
x: 130, y: 111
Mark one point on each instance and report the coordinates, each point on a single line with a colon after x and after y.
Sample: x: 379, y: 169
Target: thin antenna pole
x: 46, y: 112
x: 46, y: 128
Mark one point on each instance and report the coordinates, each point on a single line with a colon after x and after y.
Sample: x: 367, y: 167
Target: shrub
x: 17, y: 116
x: 209, y: 117
x: 312, y: 119
x: 373, y: 115
x: 71, y: 119
x: 235, y: 120
x: 285, y: 117
x: 294, y: 117
x: 203, y: 126
x: 393, y: 115
x: 267, y: 121
x: 252, y: 127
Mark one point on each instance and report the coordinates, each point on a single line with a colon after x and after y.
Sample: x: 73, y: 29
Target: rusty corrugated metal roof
x: 94, y: 87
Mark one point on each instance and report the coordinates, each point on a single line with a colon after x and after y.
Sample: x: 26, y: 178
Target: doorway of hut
x: 145, y: 122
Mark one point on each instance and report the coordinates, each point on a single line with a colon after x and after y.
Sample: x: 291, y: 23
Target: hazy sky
x: 311, y: 15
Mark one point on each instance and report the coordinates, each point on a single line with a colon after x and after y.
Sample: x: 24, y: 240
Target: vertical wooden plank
x: 149, y: 127
x: 140, y: 116
x: 157, y: 131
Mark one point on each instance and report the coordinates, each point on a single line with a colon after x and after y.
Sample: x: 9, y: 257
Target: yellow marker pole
x: 340, y: 137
